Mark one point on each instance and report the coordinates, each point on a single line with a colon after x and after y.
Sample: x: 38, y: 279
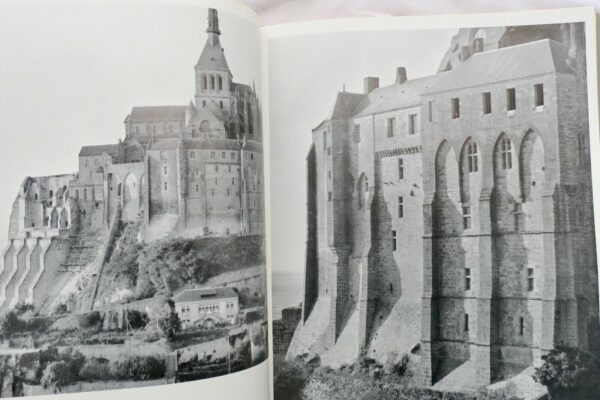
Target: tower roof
x: 213, y: 55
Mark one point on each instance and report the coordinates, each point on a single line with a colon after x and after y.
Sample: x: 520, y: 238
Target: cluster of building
x: 451, y: 216
x: 207, y: 307
x: 193, y: 169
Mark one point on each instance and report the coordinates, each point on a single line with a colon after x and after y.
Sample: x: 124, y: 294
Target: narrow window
x: 165, y: 170
x: 212, y: 155
x: 85, y: 194
x: 216, y: 167
x: 212, y: 192
x: 228, y: 192
x: 203, y: 103
x: 221, y: 85
x: 530, y: 280
x: 223, y: 155
x: 478, y: 45
x: 233, y: 155
x: 506, y: 150
x: 472, y: 157
x: 197, y: 188
x: 511, y: 99
x: 538, y: 94
x: 356, y: 133
x: 467, y: 278
x: 229, y: 168
x: 166, y: 187
x: 430, y: 111
x: 252, y: 156
x: 400, y: 207
x: 390, y: 127
x: 518, y: 214
x: 466, y: 217
x: 212, y: 82
x: 233, y: 181
x: 51, y: 193
x: 329, y: 151
x: 393, y: 240
x: 329, y: 174
x: 204, y: 82
x: 324, y: 140
x: 412, y: 124
x: 221, y: 104
x: 486, y: 99
x: 400, y: 169
x: 466, y: 327
x: 521, y: 326
x: 455, y: 108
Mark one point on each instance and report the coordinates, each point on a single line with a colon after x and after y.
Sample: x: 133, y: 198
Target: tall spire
x: 213, y: 22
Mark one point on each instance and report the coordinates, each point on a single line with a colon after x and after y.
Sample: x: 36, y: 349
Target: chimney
x: 400, y: 75
x: 370, y: 83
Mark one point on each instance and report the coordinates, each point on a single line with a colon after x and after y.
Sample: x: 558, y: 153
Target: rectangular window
x: 511, y: 99
x: 329, y: 196
x: 455, y: 108
x: 486, y: 99
x: 223, y: 155
x: 518, y: 214
x: 166, y: 186
x: 400, y: 207
x: 357, y: 133
x: 212, y: 155
x: 466, y: 323
x: 530, y: 280
x: 393, y: 240
x: 227, y: 192
x: 521, y: 326
x: 400, y: 169
x: 430, y: 111
x: 324, y: 140
x: 329, y: 151
x: 233, y: 156
x: 165, y: 170
x: 197, y: 188
x: 466, y: 217
x: 85, y: 195
x: 390, y: 127
x: 467, y: 278
x: 538, y: 94
x: 329, y: 174
x: 412, y: 124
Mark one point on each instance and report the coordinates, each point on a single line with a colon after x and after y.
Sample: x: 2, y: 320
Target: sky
x: 70, y: 73
x: 305, y: 74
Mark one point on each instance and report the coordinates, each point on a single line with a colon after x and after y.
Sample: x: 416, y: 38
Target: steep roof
x: 206, y: 294
x: 397, y: 96
x: 345, y: 105
x: 514, y: 62
x: 111, y: 149
x: 165, y: 144
x: 156, y: 113
x: 213, y: 55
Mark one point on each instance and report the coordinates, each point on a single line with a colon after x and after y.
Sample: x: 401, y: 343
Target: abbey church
x: 450, y: 217
x: 188, y: 170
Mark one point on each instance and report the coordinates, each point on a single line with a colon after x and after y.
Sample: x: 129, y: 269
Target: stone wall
x: 283, y: 330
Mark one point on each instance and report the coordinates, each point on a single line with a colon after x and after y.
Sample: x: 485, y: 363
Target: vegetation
x: 170, y: 324
x: 140, y: 368
x: 568, y: 373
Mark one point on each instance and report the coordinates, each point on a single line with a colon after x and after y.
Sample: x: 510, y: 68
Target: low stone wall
x: 283, y: 329
x: 37, y: 390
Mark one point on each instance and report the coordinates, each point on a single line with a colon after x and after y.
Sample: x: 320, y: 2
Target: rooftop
x: 206, y: 294
x: 156, y: 113
x: 111, y: 149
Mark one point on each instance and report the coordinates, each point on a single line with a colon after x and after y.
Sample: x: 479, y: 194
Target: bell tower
x: 213, y: 77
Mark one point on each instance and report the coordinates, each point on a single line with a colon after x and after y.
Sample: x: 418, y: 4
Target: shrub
x: 12, y: 323
x: 290, y: 378
x: 396, y: 363
x: 137, y: 319
x: 568, y: 371
x: 139, y: 368
x: 170, y: 325
x: 96, y: 370
x: 91, y: 319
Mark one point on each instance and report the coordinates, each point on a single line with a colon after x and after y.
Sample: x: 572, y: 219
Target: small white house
x: 207, y: 307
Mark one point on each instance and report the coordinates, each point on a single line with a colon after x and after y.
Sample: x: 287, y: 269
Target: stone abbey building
x: 191, y: 170
x: 451, y: 216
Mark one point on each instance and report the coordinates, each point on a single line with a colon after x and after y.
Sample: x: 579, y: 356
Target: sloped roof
x: 156, y: 113
x: 213, y: 56
x: 111, y: 149
x: 397, y: 96
x: 514, y: 62
x: 345, y: 105
x: 165, y: 144
x: 206, y: 294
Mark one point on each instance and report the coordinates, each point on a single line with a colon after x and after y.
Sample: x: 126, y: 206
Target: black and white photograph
x: 132, y: 216
x: 447, y: 245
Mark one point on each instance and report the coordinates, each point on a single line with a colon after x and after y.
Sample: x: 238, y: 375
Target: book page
x: 132, y: 218
x: 433, y: 222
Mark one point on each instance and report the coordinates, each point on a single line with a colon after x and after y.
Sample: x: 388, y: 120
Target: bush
x: 96, y: 370
x: 140, y: 368
x: 137, y: 319
x: 170, y: 325
x: 396, y: 363
x: 12, y: 323
x: 91, y: 319
x: 290, y: 378
x: 570, y: 373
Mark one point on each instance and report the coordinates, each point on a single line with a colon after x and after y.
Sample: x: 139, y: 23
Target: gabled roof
x: 397, y: 96
x: 206, y: 294
x: 345, y: 105
x: 165, y: 144
x: 213, y: 56
x: 513, y: 62
x: 156, y: 113
x: 111, y: 149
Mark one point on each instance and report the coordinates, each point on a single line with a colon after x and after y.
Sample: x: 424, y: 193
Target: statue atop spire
x: 213, y: 22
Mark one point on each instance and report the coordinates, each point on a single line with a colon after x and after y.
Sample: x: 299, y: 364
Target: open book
x: 377, y: 208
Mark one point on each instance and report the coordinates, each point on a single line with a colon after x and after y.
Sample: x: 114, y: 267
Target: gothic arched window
x: 220, y: 82
x: 212, y: 82
x: 204, y: 82
x: 505, y: 149
x: 472, y: 157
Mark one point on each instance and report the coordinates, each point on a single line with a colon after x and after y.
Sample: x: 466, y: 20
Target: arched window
x: 363, y: 191
x: 506, y: 152
x: 472, y: 157
x: 220, y: 82
x: 204, y: 126
x: 204, y: 82
x: 212, y: 82
x: 119, y: 189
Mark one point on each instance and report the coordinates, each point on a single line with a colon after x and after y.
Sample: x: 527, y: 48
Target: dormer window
x: 479, y: 41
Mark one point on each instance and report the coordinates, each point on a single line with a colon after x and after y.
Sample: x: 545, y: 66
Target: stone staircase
x: 83, y: 250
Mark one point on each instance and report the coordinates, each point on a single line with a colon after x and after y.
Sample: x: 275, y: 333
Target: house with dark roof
x: 207, y: 306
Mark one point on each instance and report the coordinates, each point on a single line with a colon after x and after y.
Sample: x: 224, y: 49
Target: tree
x: 170, y: 325
x: 570, y: 373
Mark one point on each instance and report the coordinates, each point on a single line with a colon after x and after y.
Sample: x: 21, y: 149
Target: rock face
x: 455, y: 210
x: 192, y: 170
